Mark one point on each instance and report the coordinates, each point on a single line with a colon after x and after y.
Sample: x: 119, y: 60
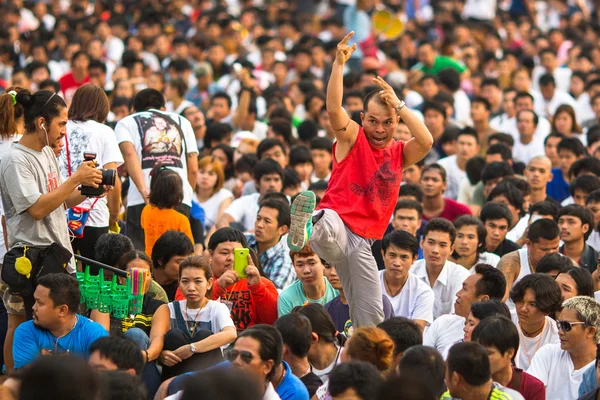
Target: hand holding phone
x: 240, y: 261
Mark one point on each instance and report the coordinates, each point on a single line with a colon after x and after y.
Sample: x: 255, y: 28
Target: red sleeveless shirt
x: 363, y: 188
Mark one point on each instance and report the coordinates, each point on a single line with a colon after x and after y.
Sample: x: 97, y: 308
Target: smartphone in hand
x: 240, y: 261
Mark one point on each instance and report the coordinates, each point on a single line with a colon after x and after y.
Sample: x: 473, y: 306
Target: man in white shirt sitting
x: 467, y: 146
x: 552, y: 97
x: 549, y: 65
x: 525, y: 101
x: 410, y: 296
x: 487, y: 283
x: 561, y: 366
x: 443, y: 276
x: 527, y: 144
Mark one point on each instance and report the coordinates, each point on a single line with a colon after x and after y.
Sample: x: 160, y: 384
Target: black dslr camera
x: 109, y: 177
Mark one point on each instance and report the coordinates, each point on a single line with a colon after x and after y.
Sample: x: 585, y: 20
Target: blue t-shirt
x: 340, y: 314
x: 290, y: 388
x: 294, y: 296
x: 32, y: 341
x: 557, y: 188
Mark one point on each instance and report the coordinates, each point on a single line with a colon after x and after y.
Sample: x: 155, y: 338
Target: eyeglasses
x: 246, y: 356
x: 566, y: 326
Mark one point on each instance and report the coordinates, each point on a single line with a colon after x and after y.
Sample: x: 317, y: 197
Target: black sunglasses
x: 246, y: 356
x: 566, y: 326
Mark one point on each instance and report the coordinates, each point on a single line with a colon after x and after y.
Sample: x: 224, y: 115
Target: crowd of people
x: 323, y: 208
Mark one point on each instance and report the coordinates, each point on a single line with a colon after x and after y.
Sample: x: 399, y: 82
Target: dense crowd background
x: 215, y: 115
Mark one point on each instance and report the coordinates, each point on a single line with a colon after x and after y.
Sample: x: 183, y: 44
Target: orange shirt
x: 155, y: 222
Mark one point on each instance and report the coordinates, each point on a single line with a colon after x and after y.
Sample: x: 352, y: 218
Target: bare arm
x: 345, y: 129
x: 192, y: 169
x: 510, y: 267
x: 114, y: 196
x: 160, y: 326
x: 134, y: 169
x: 226, y: 336
x: 421, y: 324
x: 223, y: 206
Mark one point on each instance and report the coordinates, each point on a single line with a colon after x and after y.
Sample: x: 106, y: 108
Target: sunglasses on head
x: 246, y: 356
x: 566, y: 326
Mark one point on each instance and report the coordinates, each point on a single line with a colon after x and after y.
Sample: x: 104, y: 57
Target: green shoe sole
x: 301, y: 227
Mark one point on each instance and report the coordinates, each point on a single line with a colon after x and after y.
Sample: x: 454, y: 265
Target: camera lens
x: 109, y: 177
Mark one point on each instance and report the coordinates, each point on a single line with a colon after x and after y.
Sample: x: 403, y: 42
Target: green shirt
x: 440, y: 63
x: 157, y: 292
x: 294, y: 296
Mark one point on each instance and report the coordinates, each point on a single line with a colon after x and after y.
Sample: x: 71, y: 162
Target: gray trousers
x: 351, y: 255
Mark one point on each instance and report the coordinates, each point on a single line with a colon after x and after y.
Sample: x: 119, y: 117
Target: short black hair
x: 473, y: 169
x: 373, y: 95
x: 296, y: 331
x: 216, y: 132
x: 170, y: 244
x: 471, y: 362
x: 409, y: 205
x: 502, y: 138
x: 553, y: 135
x: 64, y: 290
x: 502, y: 149
x: 543, y: 228
x: 351, y: 93
x: 496, y: 170
x: 283, y: 210
x: 268, y: 144
x: 511, y: 192
x: 291, y: 179
x: 322, y: 143
x: 403, y: 240
x: 450, y: 78
x: 282, y: 127
x: 591, y: 165
x: 481, y: 100
x: 221, y: 95
x: 585, y: 183
x: 593, y: 197
x: 266, y: 167
x: 110, y: 248
x: 485, y: 309
x: 583, y: 281
x: 222, y: 384
x: 434, y: 106
x: 424, y: 364
x: 246, y: 163
x: 361, y: 376
x: 469, y: 220
x: 307, y: 130
x: 553, y: 262
x: 573, y: 145
x: 119, y: 385
x: 441, y: 225
x: 226, y: 235
x: 411, y: 189
x: 299, y: 154
x: 404, y: 332
x: 545, y: 208
x: 437, y: 168
x: 499, y: 332
x: 494, y: 211
x: 271, y: 344
x: 404, y: 387
x: 491, y: 283
x: 166, y: 187
x: 468, y: 131
x: 547, y: 293
x: 124, y: 353
x: 146, y: 99
x: 547, y: 79
x: 583, y: 213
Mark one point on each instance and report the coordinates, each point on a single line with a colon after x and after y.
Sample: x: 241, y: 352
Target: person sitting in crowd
x: 404, y: 333
x: 500, y: 338
x: 56, y: 328
x: 311, y: 285
x: 408, y: 216
x: 272, y: 223
x: 496, y: 218
x: 210, y: 193
x: 424, y: 364
x: 410, y: 296
x: 575, y: 282
x: 443, y: 276
x: 481, y: 310
x: 355, y: 379
x: 168, y: 252
x: 469, y: 246
x: 251, y: 300
x: 113, y: 353
x: 433, y: 182
x: 576, y: 224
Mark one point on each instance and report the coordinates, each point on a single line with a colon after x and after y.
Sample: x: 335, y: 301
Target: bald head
x: 541, y: 160
x: 539, y: 172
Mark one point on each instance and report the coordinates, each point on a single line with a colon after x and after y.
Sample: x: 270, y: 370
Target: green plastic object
x: 120, y: 306
x: 105, y: 302
x: 91, y: 297
x: 108, y: 296
x: 136, y: 303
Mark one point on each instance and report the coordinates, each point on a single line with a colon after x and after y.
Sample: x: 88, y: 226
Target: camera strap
x: 68, y: 153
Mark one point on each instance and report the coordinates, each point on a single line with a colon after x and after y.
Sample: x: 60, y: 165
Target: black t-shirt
x: 171, y: 289
x: 312, y: 383
x: 142, y: 320
x: 505, y: 247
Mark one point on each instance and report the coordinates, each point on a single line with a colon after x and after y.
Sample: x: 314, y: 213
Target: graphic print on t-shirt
x: 76, y: 144
x: 52, y: 180
x: 379, y: 185
x: 239, y: 303
x: 161, y: 141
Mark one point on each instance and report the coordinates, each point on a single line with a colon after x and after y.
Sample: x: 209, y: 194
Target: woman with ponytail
x: 34, y: 195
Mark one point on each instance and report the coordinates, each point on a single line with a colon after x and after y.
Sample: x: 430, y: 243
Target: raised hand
x: 387, y: 93
x: 344, y: 52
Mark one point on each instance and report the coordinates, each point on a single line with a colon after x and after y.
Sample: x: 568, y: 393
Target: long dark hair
x: 9, y: 113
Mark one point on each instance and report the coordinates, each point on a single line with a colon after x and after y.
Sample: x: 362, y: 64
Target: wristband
x: 147, y: 356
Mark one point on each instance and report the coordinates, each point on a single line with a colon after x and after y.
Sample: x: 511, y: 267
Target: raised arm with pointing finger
x: 362, y: 191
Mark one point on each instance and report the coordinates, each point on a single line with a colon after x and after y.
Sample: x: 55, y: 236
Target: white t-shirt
x: 447, y: 284
x: 519, y: 230
x: 594, y: 240
x: 211, y: 207
x: 525, y: 152
x: 90, y: 137
x: 323, y: 374
x: 244, y: 210
x: 415, y: 300
x: 454, y: 176
x: 5, y: 145
x: 169, y: 107
x: 553, y: 366
x: 444, y: 332
x: 529, y: 346
x: 162, y: 143
x: 215, y: 316
x: 480, y: 9
x: 510, y: 126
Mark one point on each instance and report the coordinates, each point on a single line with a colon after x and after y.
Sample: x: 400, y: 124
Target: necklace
x: 280, y: 379
x: 308, y: 371
x: 60, y: 337
x: 390, y: 289
x: 195, y: 319
x: 537, y: 346
x: 320, y: 300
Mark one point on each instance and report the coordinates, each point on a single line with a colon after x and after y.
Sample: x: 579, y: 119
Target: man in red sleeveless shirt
x: 362, y: 191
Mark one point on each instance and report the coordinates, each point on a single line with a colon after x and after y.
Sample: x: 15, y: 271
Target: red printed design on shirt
x: 52, y: 180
